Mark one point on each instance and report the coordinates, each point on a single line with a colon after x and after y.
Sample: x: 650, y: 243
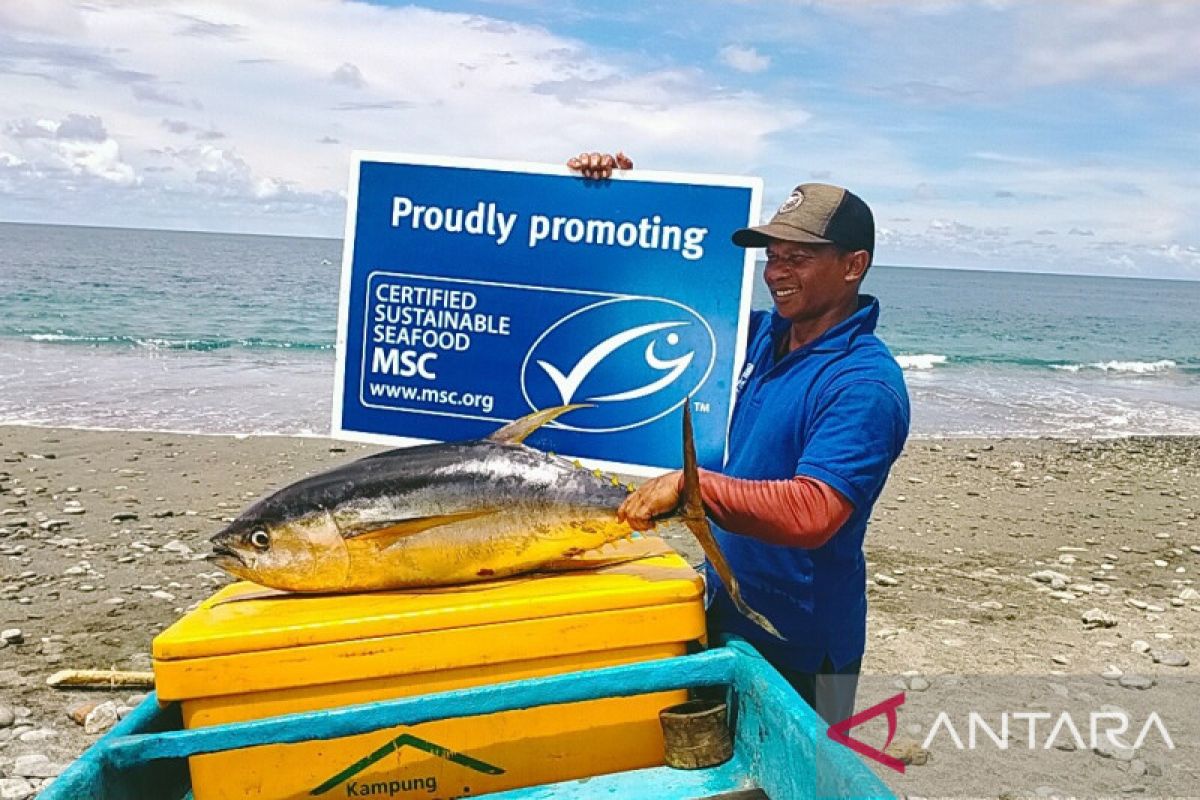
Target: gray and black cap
x: 816, y: 213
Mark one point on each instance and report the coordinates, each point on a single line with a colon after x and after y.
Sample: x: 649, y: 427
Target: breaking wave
x: 921, y: 361
x: 160, y: 343
x: 1136, y: 367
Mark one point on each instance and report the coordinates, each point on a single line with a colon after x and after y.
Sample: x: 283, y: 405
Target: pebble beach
x: 986, y: 557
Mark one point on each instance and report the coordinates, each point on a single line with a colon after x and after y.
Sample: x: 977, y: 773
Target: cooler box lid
x: 430, y: 629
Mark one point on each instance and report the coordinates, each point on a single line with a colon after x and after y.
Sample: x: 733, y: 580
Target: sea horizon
x: 317, y: 237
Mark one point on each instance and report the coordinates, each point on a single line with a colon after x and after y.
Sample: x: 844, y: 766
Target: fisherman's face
x: 808, y: 280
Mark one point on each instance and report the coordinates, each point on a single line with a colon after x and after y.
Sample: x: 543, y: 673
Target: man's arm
x: 801, y: 512
x: 798, y: 512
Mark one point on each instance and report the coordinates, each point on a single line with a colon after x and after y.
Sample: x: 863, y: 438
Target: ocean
x: 218, y: 333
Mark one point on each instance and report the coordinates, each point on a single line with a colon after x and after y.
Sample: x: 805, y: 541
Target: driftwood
x: 100, y: 679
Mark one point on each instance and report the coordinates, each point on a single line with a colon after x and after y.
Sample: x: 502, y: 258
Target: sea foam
x: 1137, y: 367
x: 920, y: 361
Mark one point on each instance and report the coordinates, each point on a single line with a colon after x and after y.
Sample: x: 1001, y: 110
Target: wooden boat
x: 780, y: 747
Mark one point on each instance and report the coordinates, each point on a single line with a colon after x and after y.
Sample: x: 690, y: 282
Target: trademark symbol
x: 701, y: 407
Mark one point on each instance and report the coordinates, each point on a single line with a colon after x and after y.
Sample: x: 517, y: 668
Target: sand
x: 103, y: 534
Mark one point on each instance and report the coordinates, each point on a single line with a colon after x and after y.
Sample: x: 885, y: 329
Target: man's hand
x: 653, y: 498
x: 598, y: 166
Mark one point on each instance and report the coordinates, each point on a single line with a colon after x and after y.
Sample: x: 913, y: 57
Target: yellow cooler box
x: 239, y: 659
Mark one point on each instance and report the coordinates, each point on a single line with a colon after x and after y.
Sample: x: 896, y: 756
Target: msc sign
x: 474, y: 292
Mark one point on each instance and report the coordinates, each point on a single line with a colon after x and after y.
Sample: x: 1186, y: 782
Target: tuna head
x: 297, y: 554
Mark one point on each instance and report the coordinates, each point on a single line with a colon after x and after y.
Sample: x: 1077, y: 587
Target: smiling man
x: 821, y: 415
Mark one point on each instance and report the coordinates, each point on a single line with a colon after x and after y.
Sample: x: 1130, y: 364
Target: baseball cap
x: 816, y: 213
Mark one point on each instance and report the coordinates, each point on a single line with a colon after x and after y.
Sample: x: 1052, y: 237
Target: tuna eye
x: 260, y: 539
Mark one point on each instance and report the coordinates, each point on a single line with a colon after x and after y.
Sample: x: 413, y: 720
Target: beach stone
x: 101, y: 718
x: 1106, y: 749
x: 7, y: 716
x: 37, y: 735
x: 35, y: 766
x: 909, y: 752
x: 1095, y: 618
x: 992, y: 605
x: 1140, y: 646
x: 1057, y: 580
x: 1189, y: 593
x: 1169, y: 658
x: 1132, y: 681
x: 78, y: 713
x: 885, y: 580
x: 124, y: 516
x: 1112, y: 672
x: 12, y: 635
x: 16, y: 789
x: 917, y: 684
x: 1062, y: 661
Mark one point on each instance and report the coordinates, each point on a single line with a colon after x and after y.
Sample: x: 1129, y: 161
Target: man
x: 820, y: 416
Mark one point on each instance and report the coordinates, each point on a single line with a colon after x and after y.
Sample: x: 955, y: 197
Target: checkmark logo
x: 569, y: 383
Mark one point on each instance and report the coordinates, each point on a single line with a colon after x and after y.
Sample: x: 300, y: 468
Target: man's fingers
x: 597, y: 165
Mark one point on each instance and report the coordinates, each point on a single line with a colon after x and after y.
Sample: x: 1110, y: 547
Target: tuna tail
x: 692, y: 511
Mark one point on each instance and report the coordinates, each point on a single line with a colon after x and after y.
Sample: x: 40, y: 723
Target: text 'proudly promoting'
x: 487, y: 219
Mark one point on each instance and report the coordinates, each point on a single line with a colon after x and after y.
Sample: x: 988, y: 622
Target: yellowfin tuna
x: 444, y: 514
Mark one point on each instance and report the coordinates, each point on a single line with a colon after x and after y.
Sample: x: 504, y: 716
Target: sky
x: 1043, y: 136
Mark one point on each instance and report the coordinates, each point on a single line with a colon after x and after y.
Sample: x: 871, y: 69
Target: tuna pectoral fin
x: 621, y: 552
x: 386, y: 532
x: 692, y: 511
x: 519, y: 430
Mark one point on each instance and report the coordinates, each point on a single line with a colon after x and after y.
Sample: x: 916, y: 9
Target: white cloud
x: 1117, y: 40
x: 349, y: 75
x: 273, y: 80
x: 78, y: 144
x: 744, y: 59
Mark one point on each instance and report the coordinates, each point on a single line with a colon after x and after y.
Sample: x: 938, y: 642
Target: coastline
x: 961, y: 526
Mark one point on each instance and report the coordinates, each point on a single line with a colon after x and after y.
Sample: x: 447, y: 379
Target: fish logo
x: 633, y: 359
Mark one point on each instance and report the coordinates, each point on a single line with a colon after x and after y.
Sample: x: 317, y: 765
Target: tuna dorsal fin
x: 518, y: 430
x: 387, y: 532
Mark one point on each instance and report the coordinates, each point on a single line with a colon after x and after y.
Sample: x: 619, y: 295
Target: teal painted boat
x: 780, y: 747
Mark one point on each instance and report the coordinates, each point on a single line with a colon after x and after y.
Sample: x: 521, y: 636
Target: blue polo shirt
x: 835, y: 410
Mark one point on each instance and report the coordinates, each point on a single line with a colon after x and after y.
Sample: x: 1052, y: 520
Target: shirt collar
x: 839, y: 336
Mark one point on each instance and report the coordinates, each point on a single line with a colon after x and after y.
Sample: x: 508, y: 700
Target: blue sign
x: 475, y: 292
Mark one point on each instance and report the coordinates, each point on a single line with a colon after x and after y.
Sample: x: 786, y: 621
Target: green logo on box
x: 392, y: 787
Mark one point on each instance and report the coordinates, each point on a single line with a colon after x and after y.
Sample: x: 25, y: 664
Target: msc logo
x: 633, y: 359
